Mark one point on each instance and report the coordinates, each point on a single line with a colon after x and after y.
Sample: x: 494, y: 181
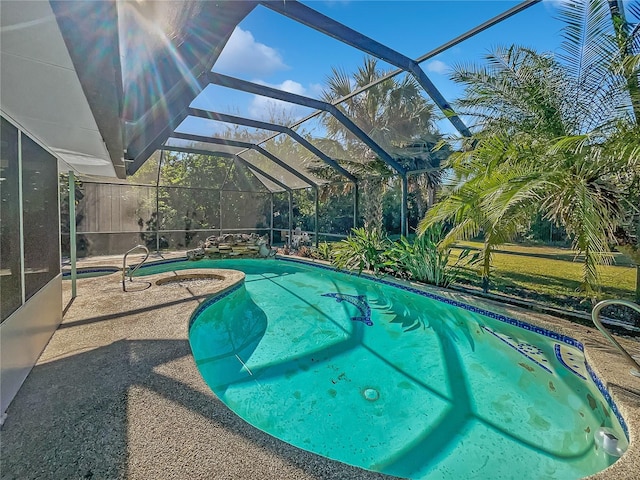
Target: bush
x: 363, y: 250
x: 422, y: 260
x: 324, y: 251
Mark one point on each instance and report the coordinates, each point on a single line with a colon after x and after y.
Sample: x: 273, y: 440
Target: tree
x: 397, y: 117
x: 553, y: 135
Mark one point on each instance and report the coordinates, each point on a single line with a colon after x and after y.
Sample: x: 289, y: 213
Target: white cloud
x: 290, y: 86
x: 244, y: 55
x: 315, y: 90
x: 437, y: 66
x: 269, y: 109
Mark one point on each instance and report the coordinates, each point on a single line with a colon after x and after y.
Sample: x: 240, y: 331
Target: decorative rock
x: 236, y: 245
x: 195, y: 254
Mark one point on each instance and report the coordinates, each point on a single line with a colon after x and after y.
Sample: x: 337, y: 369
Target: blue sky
x: 272, y: 49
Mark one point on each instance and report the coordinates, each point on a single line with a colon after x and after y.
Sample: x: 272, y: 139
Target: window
x: 10, y: 275
x: 40, y: 210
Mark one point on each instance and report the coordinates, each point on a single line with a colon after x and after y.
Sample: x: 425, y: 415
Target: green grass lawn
x: 551, y: 275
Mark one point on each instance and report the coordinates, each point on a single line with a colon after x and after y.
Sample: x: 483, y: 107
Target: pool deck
x: 116, y: 394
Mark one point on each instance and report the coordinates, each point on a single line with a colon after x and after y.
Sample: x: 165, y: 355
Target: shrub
x: 324, y: 251
x: 422, y: 260
x: 363, y: 250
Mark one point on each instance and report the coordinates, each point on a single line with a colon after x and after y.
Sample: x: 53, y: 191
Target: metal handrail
x: 133, y: 270
x: 594, y: 316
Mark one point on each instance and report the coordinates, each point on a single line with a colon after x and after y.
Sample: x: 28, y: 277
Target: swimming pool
x: 90, y: 272
x: 396, y: 381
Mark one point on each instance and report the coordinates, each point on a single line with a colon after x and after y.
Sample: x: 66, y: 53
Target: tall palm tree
x: 396, y: 116
x: 549, y: 139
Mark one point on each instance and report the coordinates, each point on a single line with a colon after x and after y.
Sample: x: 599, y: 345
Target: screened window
x: 10, y: 275
x: 41, y: 223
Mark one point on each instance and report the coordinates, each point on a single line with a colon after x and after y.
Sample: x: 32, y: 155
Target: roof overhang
x: 42, y: 92
x: 67, y: 80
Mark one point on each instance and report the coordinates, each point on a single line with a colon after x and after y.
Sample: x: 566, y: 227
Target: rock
x: 195, y: 254
x: 239, y: 245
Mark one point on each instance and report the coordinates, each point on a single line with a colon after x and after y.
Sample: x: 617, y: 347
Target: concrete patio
x: 116, y: 394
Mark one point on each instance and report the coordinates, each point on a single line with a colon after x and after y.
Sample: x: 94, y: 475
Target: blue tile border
x: 556, y: 349
x: 67, y: 273
x: 216, y: 297
x: 502, y: 318
x: 605, y: 393
x: 544, y: 367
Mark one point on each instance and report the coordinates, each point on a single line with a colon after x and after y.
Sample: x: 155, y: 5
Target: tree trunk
x: 486, y: 266
x: 371, y: 205
x: 431, y: 196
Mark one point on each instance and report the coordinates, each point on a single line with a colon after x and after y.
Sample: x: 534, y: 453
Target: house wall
x: 24, y: 335
x: 30, y: 279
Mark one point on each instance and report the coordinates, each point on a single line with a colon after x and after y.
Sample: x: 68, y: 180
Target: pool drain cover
x: 371, y: 394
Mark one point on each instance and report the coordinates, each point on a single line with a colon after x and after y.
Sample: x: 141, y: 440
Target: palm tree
x: 425, y: 158
x: 396, y: 116
x: 549, y: 139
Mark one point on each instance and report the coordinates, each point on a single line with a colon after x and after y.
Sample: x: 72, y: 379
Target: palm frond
x: 589, y: 52
x: 338, y: 85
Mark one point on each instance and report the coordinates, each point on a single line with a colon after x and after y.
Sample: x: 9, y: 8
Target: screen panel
x: 10, y: 269
x: 40, y: 210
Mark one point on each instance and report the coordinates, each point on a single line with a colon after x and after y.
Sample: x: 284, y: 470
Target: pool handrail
x: 136, y: 267
x: 595, y: 313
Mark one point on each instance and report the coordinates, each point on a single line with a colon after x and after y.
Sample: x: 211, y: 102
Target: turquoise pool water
x: 392, y: 381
